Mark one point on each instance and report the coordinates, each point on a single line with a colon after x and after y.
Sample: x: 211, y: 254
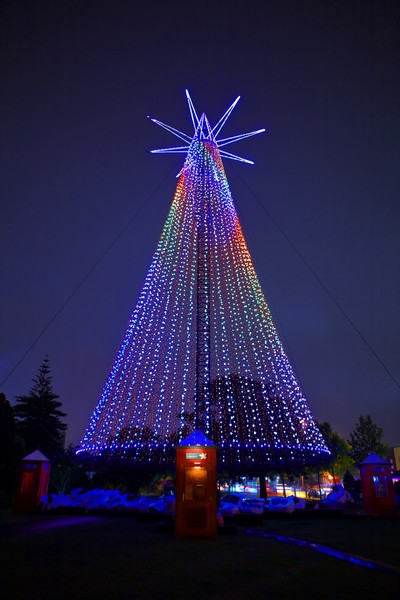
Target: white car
x: 336, y: 499
x: 163, y: 505
x: 281, y: 504
x: 139, y: 504
x: 234, y: 504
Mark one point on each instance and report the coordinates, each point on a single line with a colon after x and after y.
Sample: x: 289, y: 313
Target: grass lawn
x: 114, y: 557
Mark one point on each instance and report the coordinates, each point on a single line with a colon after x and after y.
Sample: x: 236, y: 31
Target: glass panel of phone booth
x: 196, y: 483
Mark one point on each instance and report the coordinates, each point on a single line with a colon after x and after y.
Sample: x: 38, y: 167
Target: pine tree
x: 367, y: 439
x: 39, y: 416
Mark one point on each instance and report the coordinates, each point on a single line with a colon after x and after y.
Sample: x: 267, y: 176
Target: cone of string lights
x: 201, y: 351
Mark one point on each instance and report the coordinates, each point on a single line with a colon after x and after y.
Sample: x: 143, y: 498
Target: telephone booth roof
x: 373, y: 459
x: 197, y: 438
x: 37, y: 456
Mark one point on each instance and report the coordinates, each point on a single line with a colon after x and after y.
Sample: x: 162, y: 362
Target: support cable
x: 86, y: 277
x: 322, y: 284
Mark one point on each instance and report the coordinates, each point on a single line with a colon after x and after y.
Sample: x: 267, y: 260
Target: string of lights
x: 201, y: 349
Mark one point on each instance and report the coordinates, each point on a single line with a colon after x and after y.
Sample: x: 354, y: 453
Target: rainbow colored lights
x: 254, y: 409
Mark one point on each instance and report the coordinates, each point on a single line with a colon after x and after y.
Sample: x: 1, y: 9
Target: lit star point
x: 203, y: 132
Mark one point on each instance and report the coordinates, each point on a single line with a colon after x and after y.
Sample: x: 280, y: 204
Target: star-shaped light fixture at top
x: 204, y: 132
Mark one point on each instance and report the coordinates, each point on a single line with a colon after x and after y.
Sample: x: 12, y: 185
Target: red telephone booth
x: 196, y: 487
x: 33, y: 481
x: 377, y: 486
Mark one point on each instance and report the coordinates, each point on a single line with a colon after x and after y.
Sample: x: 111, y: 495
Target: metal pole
x: 203, y: 334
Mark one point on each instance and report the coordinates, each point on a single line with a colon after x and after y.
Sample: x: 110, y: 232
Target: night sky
x: 83, y: 201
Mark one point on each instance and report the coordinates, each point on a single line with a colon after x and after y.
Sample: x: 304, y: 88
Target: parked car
x: 318, y: 493
x: 336, y: 499
x: 238, y: 503
x: 139, y: 504
x: 252, y: 506
x: 164, y: 505
x: 281, y: 504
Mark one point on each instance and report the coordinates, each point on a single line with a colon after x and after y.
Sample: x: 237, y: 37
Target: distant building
x: 395, y: 458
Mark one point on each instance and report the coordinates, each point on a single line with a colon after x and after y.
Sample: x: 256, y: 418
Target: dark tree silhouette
x: 11, y: 450
x: 341, y: 460
x: 39, y: 416
x: 367, y: 439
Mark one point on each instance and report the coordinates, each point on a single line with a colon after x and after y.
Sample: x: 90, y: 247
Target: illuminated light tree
x: 201, y: 350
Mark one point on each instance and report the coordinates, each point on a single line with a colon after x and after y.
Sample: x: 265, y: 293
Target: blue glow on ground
x: 356, y: 560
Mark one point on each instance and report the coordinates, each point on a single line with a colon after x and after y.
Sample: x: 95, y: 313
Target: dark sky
x: 78, y: 80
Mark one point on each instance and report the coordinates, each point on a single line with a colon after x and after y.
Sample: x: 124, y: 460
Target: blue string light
x: 351, y: 558
x: 256, y: 411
